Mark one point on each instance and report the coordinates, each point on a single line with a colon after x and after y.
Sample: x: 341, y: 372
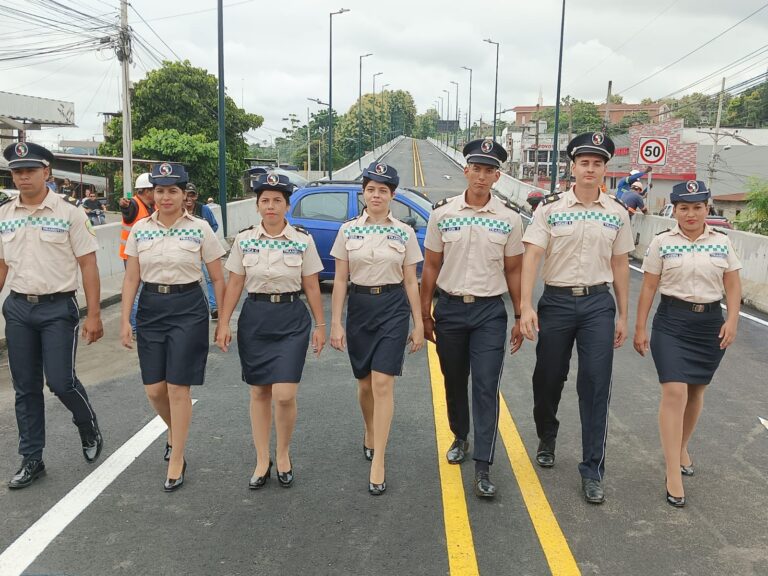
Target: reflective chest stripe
x: 181, y: 233
x: 376, y: 229
x: 570, y: 217
x: 286, y: 246
x: 489, y: 224
x: 45, y: 223
x: 693, y: 248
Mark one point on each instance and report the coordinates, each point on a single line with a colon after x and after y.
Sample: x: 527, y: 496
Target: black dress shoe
x: 285, y: 478
x: 457, y: 452
x: 687, y: 470
x: 259, y: 481
x: 172, y: 484
x: 377, y: 489
x: 167, y: 455
x: 91, y: 439
x: 484, y: 488
x: 545, y: 454
x: 30, y: 471
x: 593, y: 490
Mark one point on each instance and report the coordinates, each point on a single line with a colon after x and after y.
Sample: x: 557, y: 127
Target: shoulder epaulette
x: 508, y: 203
x: 718, y: 230
x: 353, y: 218
x: 549, y: 198
x: 245, y: 229
x: 619, y: 201
x: 301, y: 229
x: 440, y: 203
x: 663, y: 231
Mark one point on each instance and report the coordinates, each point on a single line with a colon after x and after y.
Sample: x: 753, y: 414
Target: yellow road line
x: 413, y: 155
x: 553, y: 543
x: 458, y: 533
x: 418, y: 158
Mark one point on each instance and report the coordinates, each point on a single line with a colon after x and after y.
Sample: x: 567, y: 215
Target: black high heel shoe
x: 676, y: 501
x: 172, y: 484
x: 257, y: 482
x: 367, y: 452
x: 377, y: 489
x: 285, y: 478
x: 167, y: 455
x: 687, y: 470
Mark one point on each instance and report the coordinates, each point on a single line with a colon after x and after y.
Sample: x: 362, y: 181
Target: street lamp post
x: 496, y: 86
x: 360, y: 111
x: 469, y: 114
x: 330, y: 90
x: 555, y: 143
x: 439, y: 132
x: 448, y: 113
x: 319, y: 154
x: 374, y: 109
x: 383, y: 89
x: 457, y: 112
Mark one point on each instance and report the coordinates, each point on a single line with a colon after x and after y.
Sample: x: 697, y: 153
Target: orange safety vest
x: 125, y: 229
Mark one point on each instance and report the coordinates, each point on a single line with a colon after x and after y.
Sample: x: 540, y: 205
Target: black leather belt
x: 169, y: 288
x: 36, y: 298
x: 577, y: 290
x: 692, y: 306
x: 274, y: 298
x: 376, y: 289
x: 468, y: 299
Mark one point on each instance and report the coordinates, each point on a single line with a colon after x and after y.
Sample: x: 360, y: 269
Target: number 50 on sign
x: 653, y: 151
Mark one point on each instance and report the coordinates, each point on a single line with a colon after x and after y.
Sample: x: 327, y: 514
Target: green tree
x: 748, y: 110
x: 695, y: 109
x: 586, y: 116
x: 630, y: 120
x: 178, y: 96
x: 426, y: 125
x: 754, y: 218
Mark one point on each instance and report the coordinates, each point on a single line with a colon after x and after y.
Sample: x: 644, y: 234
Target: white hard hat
x: 143, y: 181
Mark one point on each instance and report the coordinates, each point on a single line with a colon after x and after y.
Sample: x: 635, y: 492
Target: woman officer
x: 273, y: 261
x: 690, y: 265
x: 165, y: 251
x: 379, y: 253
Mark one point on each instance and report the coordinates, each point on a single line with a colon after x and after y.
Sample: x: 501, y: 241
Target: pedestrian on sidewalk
x: 43, y: 242
x: 379, y: 253
x: 273, y: 261
x: 165, y: 251
x: 201, y: 210
x: 691, y: 265
x: 584, y: 238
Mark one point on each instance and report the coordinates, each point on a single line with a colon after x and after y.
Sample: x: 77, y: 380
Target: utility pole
x: 536, y: 150
x: 713, y: 158
x: 607, y: 117
x: 124, y: 56
x: 309, y: 146
x: 222, y: 131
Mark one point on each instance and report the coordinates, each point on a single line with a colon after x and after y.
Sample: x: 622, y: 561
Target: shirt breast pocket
x: 561, y: 236
x: 672, y: 263
x: 398, y: 247
x: 451, y: 236
x: 54, y: 237
x: 250, y: 259
x: 497, y: 241
x: 719, y: 261
x: 353, y: 244
x: 11, y: 242
x: 292, y: 259
x: 610, y: 233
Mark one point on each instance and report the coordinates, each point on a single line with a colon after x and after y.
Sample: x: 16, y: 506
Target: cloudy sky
x: 276, y: 52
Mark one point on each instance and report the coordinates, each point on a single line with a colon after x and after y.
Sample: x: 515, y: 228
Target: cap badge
x: 21, y: 149
x: 692, y: 186
x: 598, y: 138
x: 486, y: 146
x: 273, y: 179
x: 381, y: 169
x: 165, y: 169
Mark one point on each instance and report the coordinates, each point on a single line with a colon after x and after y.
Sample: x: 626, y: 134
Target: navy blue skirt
x: 685, y: 344
x: 377, y: 332
x: 272, y: 340
x: 172, y: 337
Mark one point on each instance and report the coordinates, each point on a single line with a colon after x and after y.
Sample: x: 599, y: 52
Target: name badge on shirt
x: 558, y: 223
x: 292, y: 251
x: 52, y: 229
x: 396, y: 238
x: 250, y: 250
x: 194, y: 239
x: 610, y: 225
x: 671, y: 255
x: 355, y: 237
x: 718, y: 255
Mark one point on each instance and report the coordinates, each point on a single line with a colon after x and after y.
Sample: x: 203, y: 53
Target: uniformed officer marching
x: 274, y: 261
x: 473, y: 255
x: 379, y: 253
x: 584, y: 237
x: 690, y: 265
x: 165, y: 252
x: 43, y: 241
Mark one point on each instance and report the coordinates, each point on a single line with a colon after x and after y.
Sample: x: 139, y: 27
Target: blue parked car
x: 322, y: 208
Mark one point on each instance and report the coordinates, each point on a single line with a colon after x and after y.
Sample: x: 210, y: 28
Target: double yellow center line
x: 417, y: 169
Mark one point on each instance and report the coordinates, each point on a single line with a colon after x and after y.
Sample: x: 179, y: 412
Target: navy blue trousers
x: 42, y: 342
x: 589, y: 321
x: 471, y: 339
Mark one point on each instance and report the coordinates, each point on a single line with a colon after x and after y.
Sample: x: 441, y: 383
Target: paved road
x: 428, y: 522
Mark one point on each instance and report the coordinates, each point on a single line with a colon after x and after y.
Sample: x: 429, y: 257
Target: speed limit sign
x: 653, y: 151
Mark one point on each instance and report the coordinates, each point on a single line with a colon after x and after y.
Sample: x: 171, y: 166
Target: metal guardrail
x: 353, y: 170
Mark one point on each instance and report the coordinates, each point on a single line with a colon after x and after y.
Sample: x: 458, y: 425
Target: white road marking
x: 19, y: 556
x: 742, y: 314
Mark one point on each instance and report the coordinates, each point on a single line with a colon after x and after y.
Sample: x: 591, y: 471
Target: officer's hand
x: 727, y: 333
x: 641, y: 341
x: 126, y: 335
x: 124, y: 202
x: 93, y: 329
x: 429, y: 329
x: 516, y: 339
x: 649, y: 169
x: 620, y: 334
x: 529, y: 323
x: 416, y: 338
x: 223, y: 337
x: 338, y: 338
x: 318, y: 340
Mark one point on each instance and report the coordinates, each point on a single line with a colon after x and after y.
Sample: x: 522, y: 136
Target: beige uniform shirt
x: 580, y: 239
x: 376, y: 253
x: 41, y: 245
x: 273, y: 264
x: 474, y: 243
x: 173, y: 255
x: 691, y: 271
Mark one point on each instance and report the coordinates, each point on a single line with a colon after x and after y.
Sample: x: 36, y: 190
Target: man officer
x: 584, y: 237
x: 473, y: 255
x: 43, y: 240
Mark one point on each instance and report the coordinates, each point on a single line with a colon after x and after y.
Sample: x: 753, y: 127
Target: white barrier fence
x: 353, y: 170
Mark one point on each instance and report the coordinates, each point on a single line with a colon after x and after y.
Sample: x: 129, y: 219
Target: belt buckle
x: 274, y: 298
x: 579, y: 290
x: 698, y: 307
x: 32, y: 298
x: 376, y: 290
x: 468, y: 299
x: 163, y: 289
